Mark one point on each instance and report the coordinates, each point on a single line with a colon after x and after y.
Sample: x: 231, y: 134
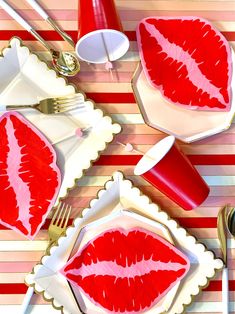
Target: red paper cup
x: 171, y: 172
x: 100, y: 37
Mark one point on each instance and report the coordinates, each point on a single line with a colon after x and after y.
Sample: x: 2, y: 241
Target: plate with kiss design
x: 181, y: 79
x: 121, y: 254
x: 79, y: 133
x: 119, y: 194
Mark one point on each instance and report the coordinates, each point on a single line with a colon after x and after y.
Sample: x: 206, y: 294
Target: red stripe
x: 45, y: 226
x: 53, y: 35
x: 216, y: 285
x: 20, y: 288
x: 112, y: 97
x: 212, y: 159
x: 197, y: 222
x: 186, y: 222
x: 13, y: 288
x: 24, y: 35
x: 131, y: 160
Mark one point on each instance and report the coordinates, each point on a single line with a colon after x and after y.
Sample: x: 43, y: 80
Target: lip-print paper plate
x: 24, y: 79
x: 171, y: 83
x: 134, y: 234
x: 119, y: 194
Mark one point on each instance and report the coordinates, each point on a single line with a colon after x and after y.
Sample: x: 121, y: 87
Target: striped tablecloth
x: 213, y: 157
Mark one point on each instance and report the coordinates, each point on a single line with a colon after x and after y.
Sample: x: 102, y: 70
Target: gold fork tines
x: 59, y: 221
x: 54, y: 105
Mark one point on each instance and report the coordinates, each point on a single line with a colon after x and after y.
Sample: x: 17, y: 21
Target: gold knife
x: 222, y: 235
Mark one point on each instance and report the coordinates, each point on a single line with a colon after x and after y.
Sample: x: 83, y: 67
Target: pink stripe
x: 214, y: 190
x: 162, y: 201
x: 126, y: 15
x: 222, y: 138
x: 210, y: 15
x: 151, y: 139
x: 10, y: 235
x: 104, y: 77
x: 17, y: 299
x: 16, y: 267
x: 216, y: 171
x: 21, y: 256
x: 28, y: 15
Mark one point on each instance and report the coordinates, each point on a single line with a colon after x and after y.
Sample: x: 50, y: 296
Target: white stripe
x: 214, y: 243
x: 33, y: 309
x: 105, y: 87
x: 12, y: 277
x: 128, y: 118
x: 100, y: 180
x: 219, y: 180
x: 197, y: 307
x: 129, y: 56
x: 209, y: 307
x: 23, y: 245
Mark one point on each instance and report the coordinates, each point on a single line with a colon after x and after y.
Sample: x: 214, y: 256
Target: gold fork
x: 56, y: 228
x: 59, y: 222
x: 54, y: 105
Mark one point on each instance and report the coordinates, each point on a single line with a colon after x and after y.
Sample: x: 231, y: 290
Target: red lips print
x: 29, y: 176
x: 126, y: 271
x: 188, y: 60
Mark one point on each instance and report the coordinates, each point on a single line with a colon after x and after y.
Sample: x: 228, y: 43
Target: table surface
x: 213, y: 157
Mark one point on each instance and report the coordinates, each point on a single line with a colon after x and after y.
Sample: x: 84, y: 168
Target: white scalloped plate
x: 24, y: 79
x: 117, y: 195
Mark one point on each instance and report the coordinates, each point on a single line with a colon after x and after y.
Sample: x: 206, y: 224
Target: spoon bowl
x: 65, y: 63
x: 231, y: 222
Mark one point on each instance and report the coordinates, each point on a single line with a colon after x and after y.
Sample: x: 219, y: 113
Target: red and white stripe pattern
x: 213, y: 157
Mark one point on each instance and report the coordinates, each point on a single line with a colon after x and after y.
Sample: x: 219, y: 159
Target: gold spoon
x: 64, y: 62
x: 231, y: 222
x: 225, y: 224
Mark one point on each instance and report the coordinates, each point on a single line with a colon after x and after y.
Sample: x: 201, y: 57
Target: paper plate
x: 25, y: 79
x: 117, y: 195
x: 186, y: 125
x: 126, y: 219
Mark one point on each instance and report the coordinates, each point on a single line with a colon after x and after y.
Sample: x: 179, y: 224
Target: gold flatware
x: 56, y: 228
x: 222, y: 224
x: 59, y: 222
x: 231, y: 222
x: 65, y: 63
x: 54, y: 105
x: 35, y: 5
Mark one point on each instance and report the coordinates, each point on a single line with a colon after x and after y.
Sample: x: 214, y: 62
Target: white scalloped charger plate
x: 117, y: 195
x: 24, y: 79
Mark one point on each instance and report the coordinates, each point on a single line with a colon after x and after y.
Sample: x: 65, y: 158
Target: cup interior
x: 154, y: 155
x: 95, y: 46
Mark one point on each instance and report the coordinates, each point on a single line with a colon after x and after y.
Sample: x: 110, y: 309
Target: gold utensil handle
x: 14, y: 107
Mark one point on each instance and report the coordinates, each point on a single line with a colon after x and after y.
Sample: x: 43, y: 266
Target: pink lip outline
x: 15, y: 180
x: 160, y: 87
x: 102, y: 266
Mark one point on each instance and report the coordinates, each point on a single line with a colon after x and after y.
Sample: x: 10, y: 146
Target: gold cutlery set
x: 225, y: 227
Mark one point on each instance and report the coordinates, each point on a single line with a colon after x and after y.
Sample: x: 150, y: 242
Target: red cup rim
x: 154, y: 155
x: 123, y: 46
